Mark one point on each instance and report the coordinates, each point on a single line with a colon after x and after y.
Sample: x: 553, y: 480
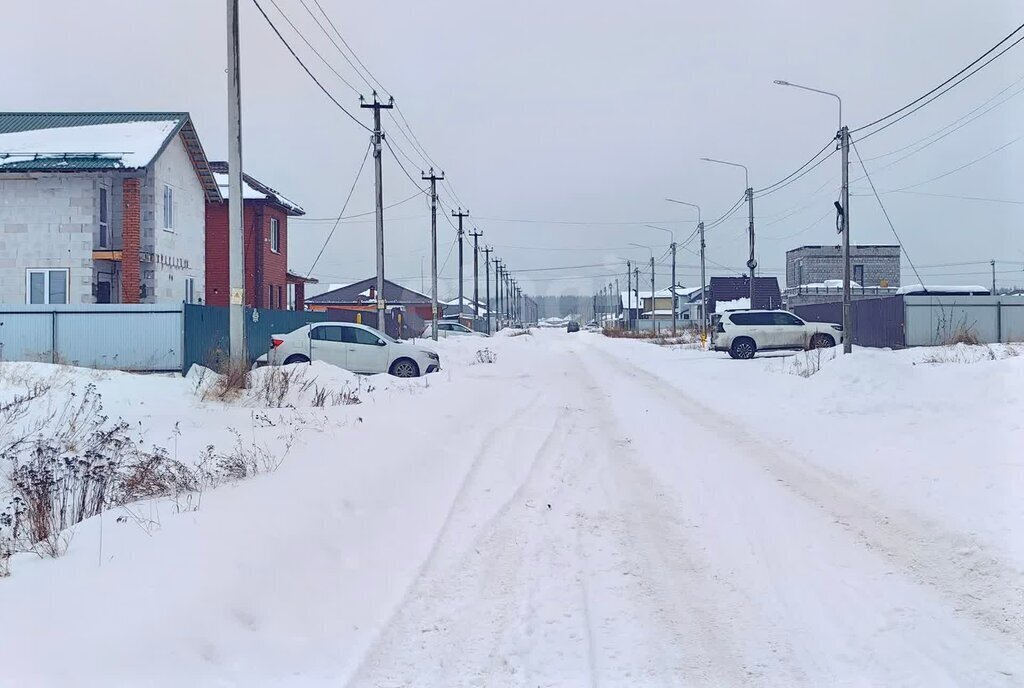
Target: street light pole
x: 749, y: 194
x: 703, y: 287
x: 672, y: 290
x: 843, y: 135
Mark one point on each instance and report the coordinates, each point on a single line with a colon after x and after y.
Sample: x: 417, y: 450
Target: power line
x: 884, y: 212
x: 797, y: 177
x: 354, y: 55
x: 944, y: 83
x: 958, y: 121
x: 334, y: 43
x: 366, y: 214
x: 962, y: 198
x: 962, y: 167
x: 583, y: 222
x: 797, y: 170
x: 306, y: 69
x: 344, y: 205
x: 312, y: 47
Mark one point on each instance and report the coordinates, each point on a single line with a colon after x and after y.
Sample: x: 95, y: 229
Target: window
x: 190, y: 290
x: 327, y: 333
x: 280, y: 298
x: 275, y: 235
x: 270, y: 297
x: 858, y: 274
x: 752, y: 319
x: 355, y: 335
x: 786, y: 319
x: 168, y: 207
x: 104, y: 219
x: 46, y: 286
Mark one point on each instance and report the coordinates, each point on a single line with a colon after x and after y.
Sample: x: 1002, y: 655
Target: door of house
x: 103, y: 292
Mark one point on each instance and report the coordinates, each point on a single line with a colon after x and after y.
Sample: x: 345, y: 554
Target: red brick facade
x: 131, y: 237
x: 266, y: 284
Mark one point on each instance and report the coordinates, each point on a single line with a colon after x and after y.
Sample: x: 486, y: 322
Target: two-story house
x: 102, y: 208
x: 268, y: 282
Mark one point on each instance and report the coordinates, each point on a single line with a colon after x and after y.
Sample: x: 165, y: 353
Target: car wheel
x: 296, y: 358
x: 743, y: 348
x: 405, y: 367
x: 822, y: 341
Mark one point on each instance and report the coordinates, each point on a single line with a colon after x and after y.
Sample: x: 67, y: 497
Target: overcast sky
x: 576, y: 111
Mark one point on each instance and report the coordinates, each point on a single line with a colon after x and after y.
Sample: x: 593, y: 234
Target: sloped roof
x: 90, y: 141
x: 253, y: 189
x: 358, y: 293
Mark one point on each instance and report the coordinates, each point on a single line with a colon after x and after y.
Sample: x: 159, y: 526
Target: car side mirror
x: 381, y: 342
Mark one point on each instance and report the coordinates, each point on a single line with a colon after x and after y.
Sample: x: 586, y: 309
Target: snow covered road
x: 648, y: 540
x: 583, y: 512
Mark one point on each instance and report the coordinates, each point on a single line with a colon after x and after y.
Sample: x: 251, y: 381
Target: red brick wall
x: 263, y: 267
x: 130, y: 238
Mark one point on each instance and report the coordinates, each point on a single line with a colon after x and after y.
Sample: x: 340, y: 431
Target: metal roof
x: 63, y: 163
x: 29, y: 121
x: 12, y: 122
x: 354, y: 294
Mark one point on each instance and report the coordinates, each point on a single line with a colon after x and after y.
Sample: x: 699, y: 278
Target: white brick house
x: 102, y: 208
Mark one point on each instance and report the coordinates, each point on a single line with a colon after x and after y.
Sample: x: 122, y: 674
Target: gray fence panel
x: 1011, y: 314
x: 118, y: 336
x: 26, y: 336
x: 144, y: 340
x: 935, y: 320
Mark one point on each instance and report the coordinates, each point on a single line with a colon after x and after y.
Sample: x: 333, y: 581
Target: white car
x: 358, y: 348
x: 446, y: 328
x: 743, y: 333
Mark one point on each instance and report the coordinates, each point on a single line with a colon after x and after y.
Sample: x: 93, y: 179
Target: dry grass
x: 232, y: 380
x: 963, y: 335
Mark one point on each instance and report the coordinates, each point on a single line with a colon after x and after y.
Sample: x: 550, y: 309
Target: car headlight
x: 432, y: 356
x: 837, y: 327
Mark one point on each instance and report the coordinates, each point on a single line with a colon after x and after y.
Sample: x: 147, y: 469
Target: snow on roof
x: 252, y: 189
x: 829, y: 284
x: 945, y: 289
x: 659, y: 311
x: 734, y: 305
x: 132, y: 144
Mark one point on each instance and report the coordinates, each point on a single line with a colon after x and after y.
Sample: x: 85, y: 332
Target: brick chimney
x: 131, y: 231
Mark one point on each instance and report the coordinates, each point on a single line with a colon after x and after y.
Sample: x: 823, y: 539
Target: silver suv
x: 744, y: 333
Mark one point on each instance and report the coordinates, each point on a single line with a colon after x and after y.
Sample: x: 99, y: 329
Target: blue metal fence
x: 206, y: 331
x: 115, y: 336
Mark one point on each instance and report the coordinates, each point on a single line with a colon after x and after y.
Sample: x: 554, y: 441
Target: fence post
x: 53, y: 336
x: 999, y: 321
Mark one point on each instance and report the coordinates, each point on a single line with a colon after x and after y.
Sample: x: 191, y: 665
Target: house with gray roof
x: 102, y: 207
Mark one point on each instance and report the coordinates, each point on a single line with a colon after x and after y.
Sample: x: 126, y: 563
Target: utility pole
x: 618, y: 300
x: 993, y: 263
x: 460, y: 215
x: 497, y: 294
x: 844, y: 140
x: 476, y: 234
x: 751, y: 261
x: 378, y: 179
x: 629, y: 296
x: 654, y: 313
x: 703, y: 283
x: 487, y: 285
x: 639, y: 303
x: 434, y: 179
x: 236, y: 252
x: 674, y: 305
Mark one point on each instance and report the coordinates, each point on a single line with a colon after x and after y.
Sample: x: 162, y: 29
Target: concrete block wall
x: 815, y: 264
x: 47, y: 221
x: 166, y: 283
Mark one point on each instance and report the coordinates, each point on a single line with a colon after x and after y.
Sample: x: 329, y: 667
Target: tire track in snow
x: 468, y: 583
x: 980, y: 586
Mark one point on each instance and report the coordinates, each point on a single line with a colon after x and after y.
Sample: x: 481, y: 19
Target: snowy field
x: 570, y: 511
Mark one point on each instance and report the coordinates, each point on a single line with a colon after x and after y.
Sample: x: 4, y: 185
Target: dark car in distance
x: 573, y: 326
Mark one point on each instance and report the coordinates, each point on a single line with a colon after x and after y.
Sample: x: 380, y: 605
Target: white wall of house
x: 166, y: 277
x: 47, y: 221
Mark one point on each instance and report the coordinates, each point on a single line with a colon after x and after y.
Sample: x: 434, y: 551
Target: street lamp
x: 703, y: 287
x: 751, y: 261
x: 654, y: 320
x: 844, y: 141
